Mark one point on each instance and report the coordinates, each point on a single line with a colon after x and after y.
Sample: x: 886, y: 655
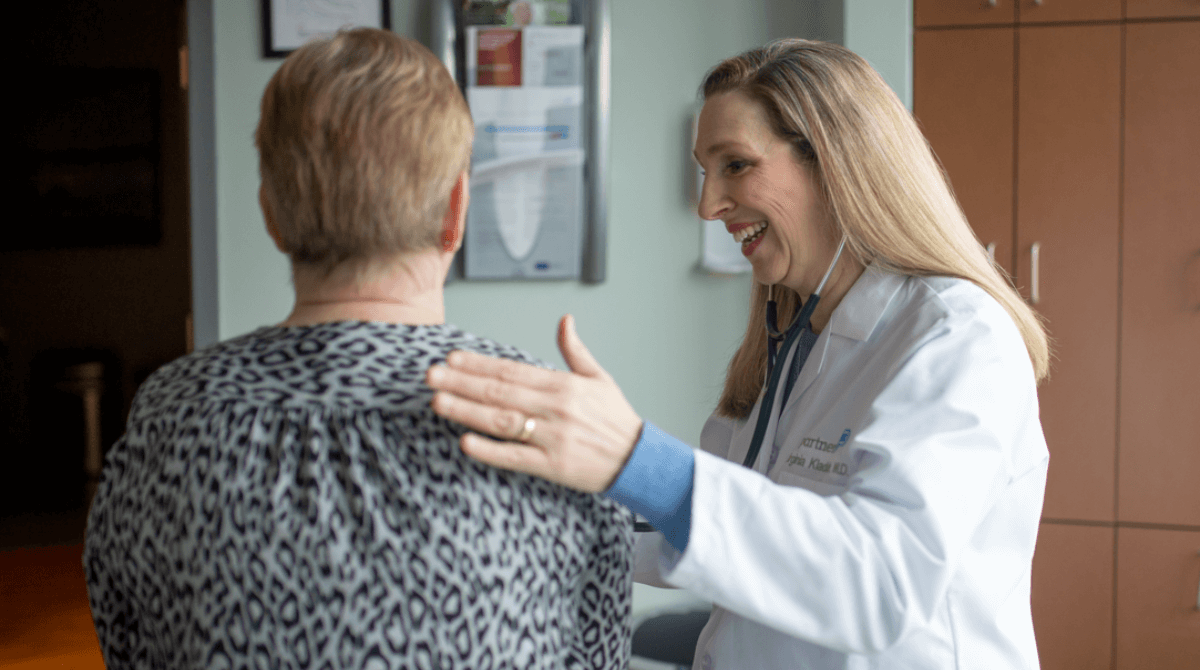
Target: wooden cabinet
x: 1159, y: 9
x: 1093, y: 118
x: 1067, y: 125
x: 1073, y: 595
x: 967, y: 83
x: 1158, y: 599
x: 1068, y: 182
x: 939, y: 13
x: 962, y: 12
x: 1160, y: 315
x: 1155, y: 601
x: 1046, y: 11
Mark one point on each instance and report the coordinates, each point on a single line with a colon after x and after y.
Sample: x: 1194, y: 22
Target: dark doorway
x: 94, y: 270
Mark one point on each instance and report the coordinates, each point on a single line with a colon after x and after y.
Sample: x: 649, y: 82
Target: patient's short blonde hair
x: 361, y: 139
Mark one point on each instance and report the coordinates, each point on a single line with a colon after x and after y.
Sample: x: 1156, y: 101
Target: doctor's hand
x: 573, y: 428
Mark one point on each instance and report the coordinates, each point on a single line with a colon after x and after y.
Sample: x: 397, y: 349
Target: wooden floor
x: 44, y: 620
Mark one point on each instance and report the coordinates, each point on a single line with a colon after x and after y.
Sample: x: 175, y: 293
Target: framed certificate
x: 287, y: 24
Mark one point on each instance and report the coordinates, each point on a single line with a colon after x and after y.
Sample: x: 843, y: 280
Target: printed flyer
x: 526, y: 92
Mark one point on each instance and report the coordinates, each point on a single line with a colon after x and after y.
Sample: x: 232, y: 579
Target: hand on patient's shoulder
x: 574, y: 428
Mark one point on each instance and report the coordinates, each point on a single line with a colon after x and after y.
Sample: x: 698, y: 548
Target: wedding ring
x: 527, y: 430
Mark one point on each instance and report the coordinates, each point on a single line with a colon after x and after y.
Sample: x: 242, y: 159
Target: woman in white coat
x: 887, y: 512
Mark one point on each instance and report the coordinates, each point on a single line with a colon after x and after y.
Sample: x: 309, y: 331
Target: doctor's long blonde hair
x: 880, y: 181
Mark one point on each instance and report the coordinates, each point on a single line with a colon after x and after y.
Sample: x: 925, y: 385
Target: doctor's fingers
x: 516, y: 456
x: 504, y: 370
x: 489, y: 391
x: 549, y: 457
x: 502, y: 422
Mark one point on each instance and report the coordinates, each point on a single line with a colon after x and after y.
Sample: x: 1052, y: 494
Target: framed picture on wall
x: 287, y: 24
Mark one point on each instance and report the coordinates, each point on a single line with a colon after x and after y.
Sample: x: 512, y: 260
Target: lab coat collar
x: 865, y: 303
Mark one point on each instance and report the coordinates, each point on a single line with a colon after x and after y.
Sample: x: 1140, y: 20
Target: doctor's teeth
x: 749, y: 232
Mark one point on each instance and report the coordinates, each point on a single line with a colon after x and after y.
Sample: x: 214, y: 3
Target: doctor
x: 895, y: 465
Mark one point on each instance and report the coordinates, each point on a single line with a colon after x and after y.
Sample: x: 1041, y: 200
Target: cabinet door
x: 1160, y: 293
x: 1042, y: 11
x: 962, y: 12
x: 1158, y: 616
x: 963, y: 99
x: 1072, y: 596
x: 1153, y: 9
x: 1068, y: 156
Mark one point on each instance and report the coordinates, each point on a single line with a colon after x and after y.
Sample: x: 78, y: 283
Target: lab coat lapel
x: 856, y: 317
x: 812, y: 368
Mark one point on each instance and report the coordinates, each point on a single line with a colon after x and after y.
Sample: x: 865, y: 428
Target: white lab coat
x: 897, y: 526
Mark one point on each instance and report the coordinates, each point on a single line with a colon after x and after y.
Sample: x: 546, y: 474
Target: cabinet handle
x: 1035, y: 254
x: 991, y: 249
x: 991, y: 3
x: 1198, y: 597
x: 1037, y: 2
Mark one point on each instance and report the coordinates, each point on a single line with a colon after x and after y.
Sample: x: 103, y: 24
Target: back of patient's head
x: 361, y: 140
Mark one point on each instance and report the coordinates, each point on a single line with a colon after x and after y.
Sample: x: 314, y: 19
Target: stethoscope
x: 799, y: 330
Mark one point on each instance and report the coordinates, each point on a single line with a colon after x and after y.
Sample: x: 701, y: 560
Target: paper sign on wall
x: 526, y: 93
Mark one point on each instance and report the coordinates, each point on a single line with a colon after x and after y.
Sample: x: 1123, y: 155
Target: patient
x: 286, y: 499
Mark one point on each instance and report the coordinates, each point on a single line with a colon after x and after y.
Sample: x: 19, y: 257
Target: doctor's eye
x: 734, y: 167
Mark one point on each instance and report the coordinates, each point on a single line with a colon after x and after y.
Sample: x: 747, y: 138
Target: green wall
x: 881, y: 32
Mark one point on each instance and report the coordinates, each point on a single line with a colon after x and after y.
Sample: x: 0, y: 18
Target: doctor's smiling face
x: 755, y: 182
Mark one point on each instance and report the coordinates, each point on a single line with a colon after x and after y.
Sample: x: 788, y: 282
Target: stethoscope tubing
x: 764, y: 409
x: 793, y: 333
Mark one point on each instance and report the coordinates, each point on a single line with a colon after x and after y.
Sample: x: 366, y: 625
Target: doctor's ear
x: 455, y: 220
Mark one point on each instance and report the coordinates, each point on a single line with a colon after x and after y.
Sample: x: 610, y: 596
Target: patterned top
x: 287, y: 499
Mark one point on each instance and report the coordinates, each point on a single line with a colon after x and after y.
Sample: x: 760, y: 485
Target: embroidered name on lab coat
x: 822, y: 460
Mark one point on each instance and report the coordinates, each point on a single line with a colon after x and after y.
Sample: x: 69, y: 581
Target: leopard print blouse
x: 287, y: 499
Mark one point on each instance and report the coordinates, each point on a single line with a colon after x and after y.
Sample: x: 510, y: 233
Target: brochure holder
x: 536, y: 76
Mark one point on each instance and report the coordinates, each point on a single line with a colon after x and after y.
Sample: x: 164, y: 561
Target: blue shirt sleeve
x: 657, y: 483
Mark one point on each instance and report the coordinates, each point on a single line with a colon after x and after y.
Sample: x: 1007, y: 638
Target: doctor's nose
x: 714, y: 202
